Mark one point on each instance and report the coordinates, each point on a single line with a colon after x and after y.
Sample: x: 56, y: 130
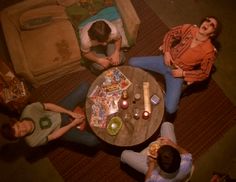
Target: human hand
x: 189, y: 83
x: 76, y: 115
x: 167, y: 141
x: 151, y: 161
x: 178, y: 72
x: 104, y: 62
x: 76, y: 122
x: 115, y: 58
x: 168, y: 59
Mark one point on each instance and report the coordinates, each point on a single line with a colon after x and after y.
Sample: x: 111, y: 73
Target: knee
x: 84, y: 86
x: 132, y: 62
x: 170, y: 108
x: 92, y: 142
x: 125, y: 155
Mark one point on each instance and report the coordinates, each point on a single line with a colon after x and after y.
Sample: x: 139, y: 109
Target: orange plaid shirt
x: 196, y: 61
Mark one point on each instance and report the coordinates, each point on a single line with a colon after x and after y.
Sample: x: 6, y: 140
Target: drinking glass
x: 137, y: 92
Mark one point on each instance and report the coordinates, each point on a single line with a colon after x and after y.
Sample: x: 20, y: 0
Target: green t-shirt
x: 45, y: 122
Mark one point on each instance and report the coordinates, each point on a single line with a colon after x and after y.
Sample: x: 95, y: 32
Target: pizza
x: 153, y: 148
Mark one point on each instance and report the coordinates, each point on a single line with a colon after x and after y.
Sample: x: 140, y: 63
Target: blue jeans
x: 72, y: 100
x: 173, y: 85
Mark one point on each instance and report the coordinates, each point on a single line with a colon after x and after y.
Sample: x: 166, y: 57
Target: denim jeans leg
x: 70, y: 102
x: 173, y: 92
x: 151, y: 63
x: 173, y: 85
x: 73, y: 99
x: 76, y: 96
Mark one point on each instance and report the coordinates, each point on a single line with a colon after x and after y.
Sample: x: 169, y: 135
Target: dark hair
x: 217, y: 32
x: 168, y: 159
x: 99, y: 31
x: 7, y: 131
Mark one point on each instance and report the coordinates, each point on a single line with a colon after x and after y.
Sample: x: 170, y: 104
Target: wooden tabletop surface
x: 133, y: 131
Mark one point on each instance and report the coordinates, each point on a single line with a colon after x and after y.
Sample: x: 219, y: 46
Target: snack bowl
x: 114, y: 125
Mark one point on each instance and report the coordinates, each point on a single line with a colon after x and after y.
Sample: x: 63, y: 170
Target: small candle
x: 137, y: 96
x: 136, y: 113
x: 124, y: 104
x: 125, y: 94
x: 145, y: 115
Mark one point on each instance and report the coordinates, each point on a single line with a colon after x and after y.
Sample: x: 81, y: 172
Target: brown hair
x: 99, y: 31
x: 168, y: 159
x: 217, y: 31
x: 218, y: 27
x: 7, y: 130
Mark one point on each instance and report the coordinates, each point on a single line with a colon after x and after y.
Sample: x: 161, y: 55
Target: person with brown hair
x: 163, y: 160
x: 189, y: 53
x: 41, y: 123
x: 100, y: 43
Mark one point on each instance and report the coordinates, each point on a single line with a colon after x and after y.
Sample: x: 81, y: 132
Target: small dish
x: 114, y: 125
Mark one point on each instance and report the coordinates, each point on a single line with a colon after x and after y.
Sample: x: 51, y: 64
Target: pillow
x: 42, y: 16
x: 36, y: 22
x: 111, y: 14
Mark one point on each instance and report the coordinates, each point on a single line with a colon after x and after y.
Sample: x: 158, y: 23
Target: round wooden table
x: 133, y: 131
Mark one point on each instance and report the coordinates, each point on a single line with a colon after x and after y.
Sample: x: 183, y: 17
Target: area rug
x: 203, y: 117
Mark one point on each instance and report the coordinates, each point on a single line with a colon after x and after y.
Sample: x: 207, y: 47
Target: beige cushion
x: 41, y: 16
x: 52, y: 46
x: 130, y: 19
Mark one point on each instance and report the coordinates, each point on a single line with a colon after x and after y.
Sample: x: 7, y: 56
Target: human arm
x: 168, y: 60
x: 115, y: 57
x: 195, y: 63
x: 202, y: 71
x: 61, y: 131
x: 86, y: 44
x: 180, y: 73
x: 151, y: 166
x: 172, y: 38
x: 92, y: 56
x: 167, y: 141
x: 59, y: 109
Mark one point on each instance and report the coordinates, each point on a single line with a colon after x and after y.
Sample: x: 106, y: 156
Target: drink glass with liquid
x: 137, y: 92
